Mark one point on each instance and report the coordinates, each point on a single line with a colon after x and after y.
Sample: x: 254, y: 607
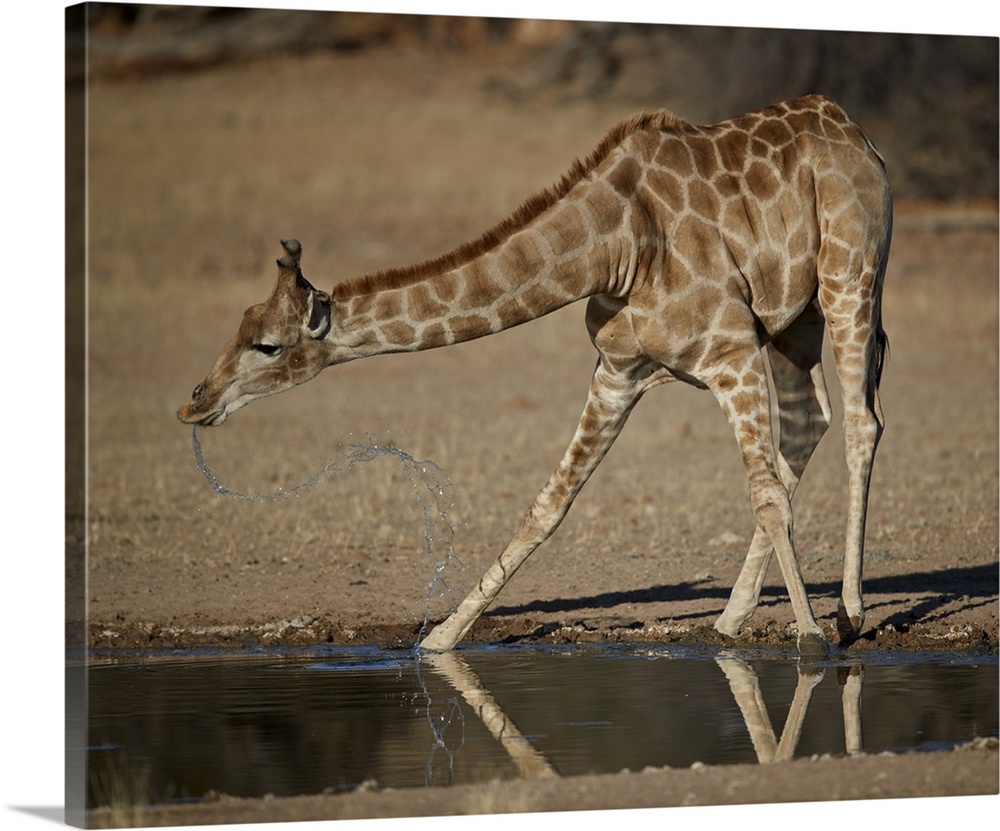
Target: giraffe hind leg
x: 863, y: 426
x: 795, y: 356
x: 852, y: 306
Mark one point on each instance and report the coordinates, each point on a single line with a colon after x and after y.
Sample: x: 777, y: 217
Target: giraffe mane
x: 530, y: 209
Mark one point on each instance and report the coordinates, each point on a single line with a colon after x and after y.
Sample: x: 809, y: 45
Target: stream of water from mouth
x: 431, y: 487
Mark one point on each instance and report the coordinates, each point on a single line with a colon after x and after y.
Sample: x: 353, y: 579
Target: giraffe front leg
x: 741, y: 389
x: 746, y: 590
x: 804, y: 415
x: 611, y: 399
x: 774, y: 515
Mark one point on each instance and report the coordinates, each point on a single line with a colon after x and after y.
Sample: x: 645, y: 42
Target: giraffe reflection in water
x: 528, y: 761
x: 531, y: 763
x: 745, y: 686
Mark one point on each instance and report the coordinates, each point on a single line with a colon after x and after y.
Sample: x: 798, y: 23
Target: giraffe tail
x: 881, y: 353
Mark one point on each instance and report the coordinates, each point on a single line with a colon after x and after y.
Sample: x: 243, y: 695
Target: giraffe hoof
x: 438, y: 640
x: 726, y: 627
x: 813, y: 645
x: 848, y: 625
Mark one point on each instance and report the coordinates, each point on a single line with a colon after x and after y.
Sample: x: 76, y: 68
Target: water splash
x: 432, y: 488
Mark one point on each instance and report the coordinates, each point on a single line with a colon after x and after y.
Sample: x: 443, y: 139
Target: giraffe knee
x: 538, y: 524
x: 773, y: 513
x: 862, y: 431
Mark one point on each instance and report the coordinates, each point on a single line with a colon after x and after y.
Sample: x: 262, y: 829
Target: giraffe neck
x: 571, y: 250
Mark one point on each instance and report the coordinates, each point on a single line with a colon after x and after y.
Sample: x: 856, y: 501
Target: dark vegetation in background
x: 929, y: 101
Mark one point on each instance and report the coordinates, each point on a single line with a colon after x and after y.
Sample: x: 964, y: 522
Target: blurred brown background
x: 930, y: 99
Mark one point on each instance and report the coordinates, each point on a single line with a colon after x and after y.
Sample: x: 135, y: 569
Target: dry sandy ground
x: 966, y: 771
x: 377, y: 159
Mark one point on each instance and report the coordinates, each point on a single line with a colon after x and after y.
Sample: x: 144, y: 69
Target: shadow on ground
x: 971, y: 587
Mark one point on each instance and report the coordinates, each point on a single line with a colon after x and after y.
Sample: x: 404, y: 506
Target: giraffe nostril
x: 198, y: 392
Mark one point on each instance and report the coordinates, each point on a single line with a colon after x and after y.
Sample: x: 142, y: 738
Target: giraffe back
x: 754, y: 207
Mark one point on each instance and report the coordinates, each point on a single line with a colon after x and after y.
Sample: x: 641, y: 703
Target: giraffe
x: 696, y: 247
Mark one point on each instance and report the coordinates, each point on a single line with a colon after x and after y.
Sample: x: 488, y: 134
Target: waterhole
x: 167, y: 727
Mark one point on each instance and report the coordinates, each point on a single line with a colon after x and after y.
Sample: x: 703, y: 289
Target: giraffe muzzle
x: 193, y: 411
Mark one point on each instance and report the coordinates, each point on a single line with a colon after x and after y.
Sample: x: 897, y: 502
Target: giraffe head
x: 279, y: 344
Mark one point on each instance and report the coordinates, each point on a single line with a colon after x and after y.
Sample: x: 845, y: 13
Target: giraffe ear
x: 318, y: 319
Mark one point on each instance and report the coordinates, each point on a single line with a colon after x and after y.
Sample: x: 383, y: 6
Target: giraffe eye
x: 267, y: 348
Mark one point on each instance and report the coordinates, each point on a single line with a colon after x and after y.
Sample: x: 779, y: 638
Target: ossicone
x: 293, y: 253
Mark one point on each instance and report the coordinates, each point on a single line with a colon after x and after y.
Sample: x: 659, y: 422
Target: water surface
x: 175, y: 726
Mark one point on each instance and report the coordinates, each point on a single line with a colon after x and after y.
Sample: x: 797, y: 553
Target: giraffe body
x: 697, y: 247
